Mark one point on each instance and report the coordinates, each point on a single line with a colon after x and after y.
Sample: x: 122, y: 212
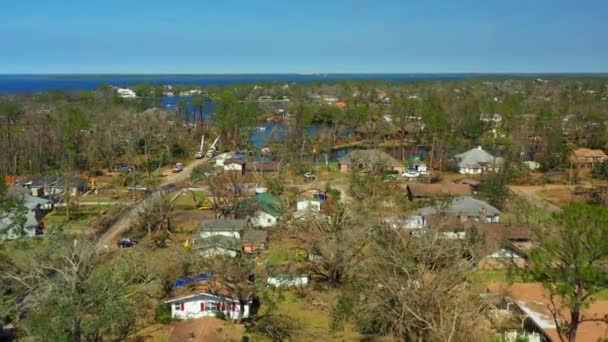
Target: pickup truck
x: 179, y: 167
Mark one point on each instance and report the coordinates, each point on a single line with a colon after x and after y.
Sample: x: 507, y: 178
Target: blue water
x: 14, y: 84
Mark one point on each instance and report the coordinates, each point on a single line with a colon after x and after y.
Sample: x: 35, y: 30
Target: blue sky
x: 303, y: 36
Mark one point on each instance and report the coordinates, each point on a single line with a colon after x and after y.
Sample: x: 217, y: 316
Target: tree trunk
x: 77, y: 331
x: 575, y: 317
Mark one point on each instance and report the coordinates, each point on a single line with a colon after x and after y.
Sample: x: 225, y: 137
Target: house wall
x: 192, y: 307
x: 214, y: 251
x: 234, y: 234
x: 470, y: 171
x: 344, y: 167
x: 287, y: 281
x: 233, y: 167
x: 263, y: 219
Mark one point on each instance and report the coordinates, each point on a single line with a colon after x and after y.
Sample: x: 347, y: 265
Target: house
x: 263, y: 166
x: 35, y: 209
x: 46, y: 186
x: 465, y: 208
x: 234, y: 165
x: 494, y: 119
x: 502, y: 245
x: 126, y: 93
x: 307, y: 208
x: 426, y: 191
x: 534, y: 303
x: 201, y: 299
x: 263, y: 210
x: 373, y: 160
x: 224, y: 227
x: 476, y: 161
x: 254, y: 240
x: 288, y: 281
x: 406, y: 222
x: 585, y: 158
x: 215, y: 245
x: 532, y: 165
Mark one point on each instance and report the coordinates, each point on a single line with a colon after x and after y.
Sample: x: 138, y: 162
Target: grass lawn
x: 79, y: 217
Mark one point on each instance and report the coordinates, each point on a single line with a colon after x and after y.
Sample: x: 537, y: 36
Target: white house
x: 263, y: 210
x: 205, y: 304
x: 288, y: 281
x: 307, y: 207
x: 476, y: 160
x: 126, y: 93
x: 235, y: 165
x: 221, y: 158
x: 35, y: 209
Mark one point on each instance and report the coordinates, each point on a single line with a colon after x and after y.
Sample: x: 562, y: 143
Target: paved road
x: 109, y: 238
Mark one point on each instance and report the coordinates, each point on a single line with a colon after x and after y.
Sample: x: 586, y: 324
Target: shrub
x: 276, y: 326
x: 162, y: 314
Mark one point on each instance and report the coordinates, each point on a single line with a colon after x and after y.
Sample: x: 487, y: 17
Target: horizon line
x: 299, y: 73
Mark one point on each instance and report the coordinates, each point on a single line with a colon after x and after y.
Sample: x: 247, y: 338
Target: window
x: 178, y: 306
x: 269, y: 220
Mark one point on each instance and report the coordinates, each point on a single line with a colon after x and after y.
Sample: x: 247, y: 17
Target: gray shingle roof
x: 475, y: 157
x: 373, y: 156
x: 463, y: 206
x: 222, y: 225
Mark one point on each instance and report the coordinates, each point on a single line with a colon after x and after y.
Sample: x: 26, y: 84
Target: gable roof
x: 438, y: 189
x: 463, y: 206
x: 372, y: 156
x: 583, y: 155
x: 219, y: 225
x: 265, y: 202
x: 476, y: 157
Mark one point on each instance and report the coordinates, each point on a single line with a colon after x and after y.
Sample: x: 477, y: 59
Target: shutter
x: 233, y: 306
x: 181, y: 306
x: 223, y: 306
x: 219, y: 306
x: 202, y: 306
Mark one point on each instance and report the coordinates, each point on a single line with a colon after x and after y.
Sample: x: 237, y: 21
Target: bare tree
x: 335, y: 243
x: 416, y: 288
x: 66, y: 293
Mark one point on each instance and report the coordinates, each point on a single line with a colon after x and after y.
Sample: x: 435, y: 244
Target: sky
x: 303, y: 36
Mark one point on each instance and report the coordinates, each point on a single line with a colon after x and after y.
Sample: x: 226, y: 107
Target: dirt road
x: 109, y: 238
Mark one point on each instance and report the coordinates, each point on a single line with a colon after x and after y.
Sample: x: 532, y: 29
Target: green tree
x: 570, y: 261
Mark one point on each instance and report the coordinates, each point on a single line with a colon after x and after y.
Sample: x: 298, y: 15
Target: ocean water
x: 16, y: 84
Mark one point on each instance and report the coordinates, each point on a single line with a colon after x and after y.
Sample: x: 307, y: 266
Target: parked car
x: 179, y: 167
x: 410, y: 174
x: 199, y: 155
x: 309, y: 177
x: 126, y: 243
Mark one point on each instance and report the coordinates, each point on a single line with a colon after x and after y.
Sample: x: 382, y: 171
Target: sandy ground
x: 206, y: 329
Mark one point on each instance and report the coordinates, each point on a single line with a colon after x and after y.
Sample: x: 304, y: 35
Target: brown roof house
x: 371, y: 160
x: 425, y: 191
x: 533, y: 302
x: 585, y: 158
x: 501, y: 245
